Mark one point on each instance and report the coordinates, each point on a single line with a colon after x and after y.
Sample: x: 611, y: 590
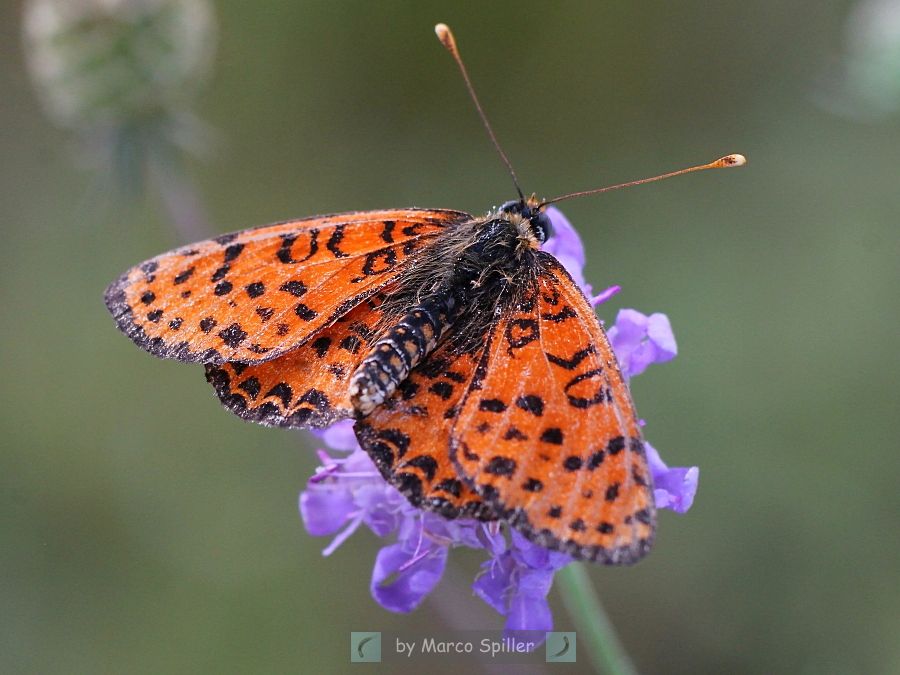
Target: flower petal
x: 605, y: 295
x: 402, y: 590
x: 339, y: 436
x: 564, y: 242
x: 528, y: 612
x: 639, y: 340
x: 382, y: 505
x: 628, y: 330
x: 324, y: 511
x: 672, y: 488
x: 565, y: 245
x: 493, y: 581
x: 659, y: 332
x: 532, y: 556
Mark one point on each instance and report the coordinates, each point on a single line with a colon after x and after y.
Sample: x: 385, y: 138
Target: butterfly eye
x: 541, y: 226
x: 538, y: 221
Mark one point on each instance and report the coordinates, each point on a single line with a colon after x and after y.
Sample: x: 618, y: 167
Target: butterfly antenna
x: 722, y: 163
x: 445, y: 35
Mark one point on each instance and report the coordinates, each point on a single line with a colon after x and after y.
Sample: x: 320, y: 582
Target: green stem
x: 594, y: 628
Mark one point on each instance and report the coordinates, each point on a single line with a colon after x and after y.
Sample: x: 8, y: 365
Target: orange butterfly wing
x: 253, y: 295
x: 547, y: 434
x: 308, y: 386
x: 408, y: 436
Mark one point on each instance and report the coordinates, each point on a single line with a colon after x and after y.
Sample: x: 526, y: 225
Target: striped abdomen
x: 398, y: 352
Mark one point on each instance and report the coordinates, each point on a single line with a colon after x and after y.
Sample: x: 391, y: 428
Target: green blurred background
x: 144, y: 529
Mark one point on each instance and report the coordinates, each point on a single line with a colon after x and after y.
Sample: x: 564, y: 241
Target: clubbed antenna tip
x: 725, y: 162
x: 729, y: 161
x: 444, y: 34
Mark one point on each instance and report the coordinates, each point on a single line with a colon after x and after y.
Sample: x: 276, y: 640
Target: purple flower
x: 640, y: 340
x: 339, y: 436
x: 566, y: 246
x: 404, y: 575
x: 672, y: 488
x: 348, y: 492
x: 515, y: 582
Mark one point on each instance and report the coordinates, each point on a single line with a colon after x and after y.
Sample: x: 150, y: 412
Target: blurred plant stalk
x: 863, y: 81
x: 123, y: 76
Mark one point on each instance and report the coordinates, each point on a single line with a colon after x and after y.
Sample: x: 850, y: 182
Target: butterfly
x: 480, y: 380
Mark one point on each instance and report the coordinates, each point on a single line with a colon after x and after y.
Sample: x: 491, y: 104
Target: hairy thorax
x: 452, y: 293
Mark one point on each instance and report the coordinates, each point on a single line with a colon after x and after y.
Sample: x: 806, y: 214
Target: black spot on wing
x: 385, y: 446
x: 233, y: 335
x: 450, y: 486
x: 225, y: 239
x: 428, y: 465
x: 531, y: 403
x: 283, y: 392
x: 251, y: 386
x: 601, y: 395
x: 552, y: 435
x: 334, y: 241
x: 560, y: 316
x: 514, y: 434
x: 521, y: 332
x: 256, y: 289
x: 313, y: 410
x: 572, y: 463
x: 321, y: 345
x: 220, y: 273
x: 532, y: 485
x: 442, y: 389
x: 304, y: 312
x: 501, y: 466
x: 183, y: 276
x: 572, y: 362
x: 233, y: 251
x: 295, y: 287
x: 285, y: 254
x: 223, y: 288
x: 494, y: 405
x: 615, y: 445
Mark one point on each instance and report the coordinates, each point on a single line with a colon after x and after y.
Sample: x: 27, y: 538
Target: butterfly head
x: 530, y: 217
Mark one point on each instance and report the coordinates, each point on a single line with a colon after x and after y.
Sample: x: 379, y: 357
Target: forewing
x: 307, y: 386
x: 408, y: 436
x: 253, y: 295
x: 547, y: 434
